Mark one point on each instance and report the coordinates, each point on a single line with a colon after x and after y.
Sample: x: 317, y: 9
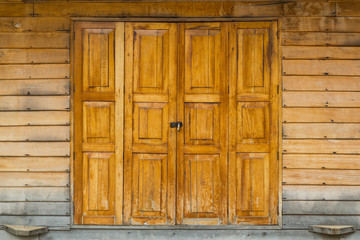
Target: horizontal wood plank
x: 321, y: 67
x: 35, y: 133
x: 320, y: 52
x: 35, y: 87
x: 321, y: 83
x: 321, y: 177
x: 348, y: 9
x: 298, y: 192
x: 53, y: 222
x: 16, y: 9
x: 35, y: 208
x: 303, y: 222
x: 34, y: 103
x: 321, y: 24
x: 321, y: 130
x: 34, y: 56
x: 34, y: 24
x: 159, y: 9
x: 35, y: 149
x: 321, y: 146
x: 15, y: 179
x: 35, y: 118
x: 321, y: 161
x: 321, y: 99
x: 320, y: 114
x: 9, y: 194
x: 35, y: 40
x: 34, y: 71
x: 321, y: 207
x: 320, y: 38
x: 37, y: 164
x: 314, y: 8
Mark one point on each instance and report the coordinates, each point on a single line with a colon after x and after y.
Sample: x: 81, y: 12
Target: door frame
x: 276, y: 75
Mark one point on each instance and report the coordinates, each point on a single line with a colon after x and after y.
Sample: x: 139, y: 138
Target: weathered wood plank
x: 34, y: 71
x: 321, y: 99
x: 320, y: 38
x: 35, y: 40
x: 320, y: 130
x: 320, y: 115
x: 34, y: 56
x: 348, y: 9
x: 34, y: 179
x: 35, y: 133
x: 322, y: 24
x: 51, y: 221
x: 321, y: 161
x: 9, y: 194
x: 297, y: 192
x: 321, y: 83
x: 15, y: 9
x: 34, y: 118
x: 309, y: 9
x: 321, y: 146
x: 303, y: 222
x: 35, y: 87
x: 34, y: 103
x: 35, y: 208
x: 34, y: 24
x: 9, y: 236
x: 34, y: 149
x: 159, y: 9
x: 321, y: 207
x: 321, y: 177
x: 321, y: 67
x: 38, y: 164
x: 320, y: 52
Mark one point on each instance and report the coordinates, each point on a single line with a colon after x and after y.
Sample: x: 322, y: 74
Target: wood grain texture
x: 8, y: 56
x: 320, y: 39
x: 321, y: 67
x: 321, y: 177
x: 54, y: 222
x: 37, y: 24
x: 35, y: 133
x: 34, y: 149
x: 321, y: 161
x: 16, y: 9
x: 35, y: 71
x: 35, y: 118
x: 321, y: 146
x: 47, y: 194
x: 36, y: 164
x: 34, y: 103
x: 34, y: 179
x: 321, y: 207
x: 303, y: 222
x: 35, y: 87
x: 321, y: 83
x: 322, y: 52
x: 321, y: 99
x: 35, y: 208
x: 35, y: 40
x: 321, y: 130
x: 322, y: 24
x: 348, y: 9
x: 309, y: 8
x: 321, y: 115
x: 298, y: 192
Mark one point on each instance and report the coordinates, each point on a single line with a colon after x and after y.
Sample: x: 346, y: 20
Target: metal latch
x: 176, y: 125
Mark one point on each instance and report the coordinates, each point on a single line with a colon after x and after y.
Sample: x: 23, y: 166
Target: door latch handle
x: 176, y: 125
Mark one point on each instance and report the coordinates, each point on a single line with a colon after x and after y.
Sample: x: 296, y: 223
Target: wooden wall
x: 321, y: 103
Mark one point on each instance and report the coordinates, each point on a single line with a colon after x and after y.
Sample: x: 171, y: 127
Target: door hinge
x: 74, y: 87
x: 228, y: 89
x: 73, y: 156
x: 74, y: 35
x: 278, y: 155
x: 278, y: 34
x: 278, y: 89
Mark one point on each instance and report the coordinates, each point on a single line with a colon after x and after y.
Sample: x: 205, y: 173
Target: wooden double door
x: 175, y: 123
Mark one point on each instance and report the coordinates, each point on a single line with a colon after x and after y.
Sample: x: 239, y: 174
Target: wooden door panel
x: 150, y: 148
x: 202, y: 186
x: 98, y: 60
x: 253, y: 112
x: 98, y: 110
x: 202, y: 106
